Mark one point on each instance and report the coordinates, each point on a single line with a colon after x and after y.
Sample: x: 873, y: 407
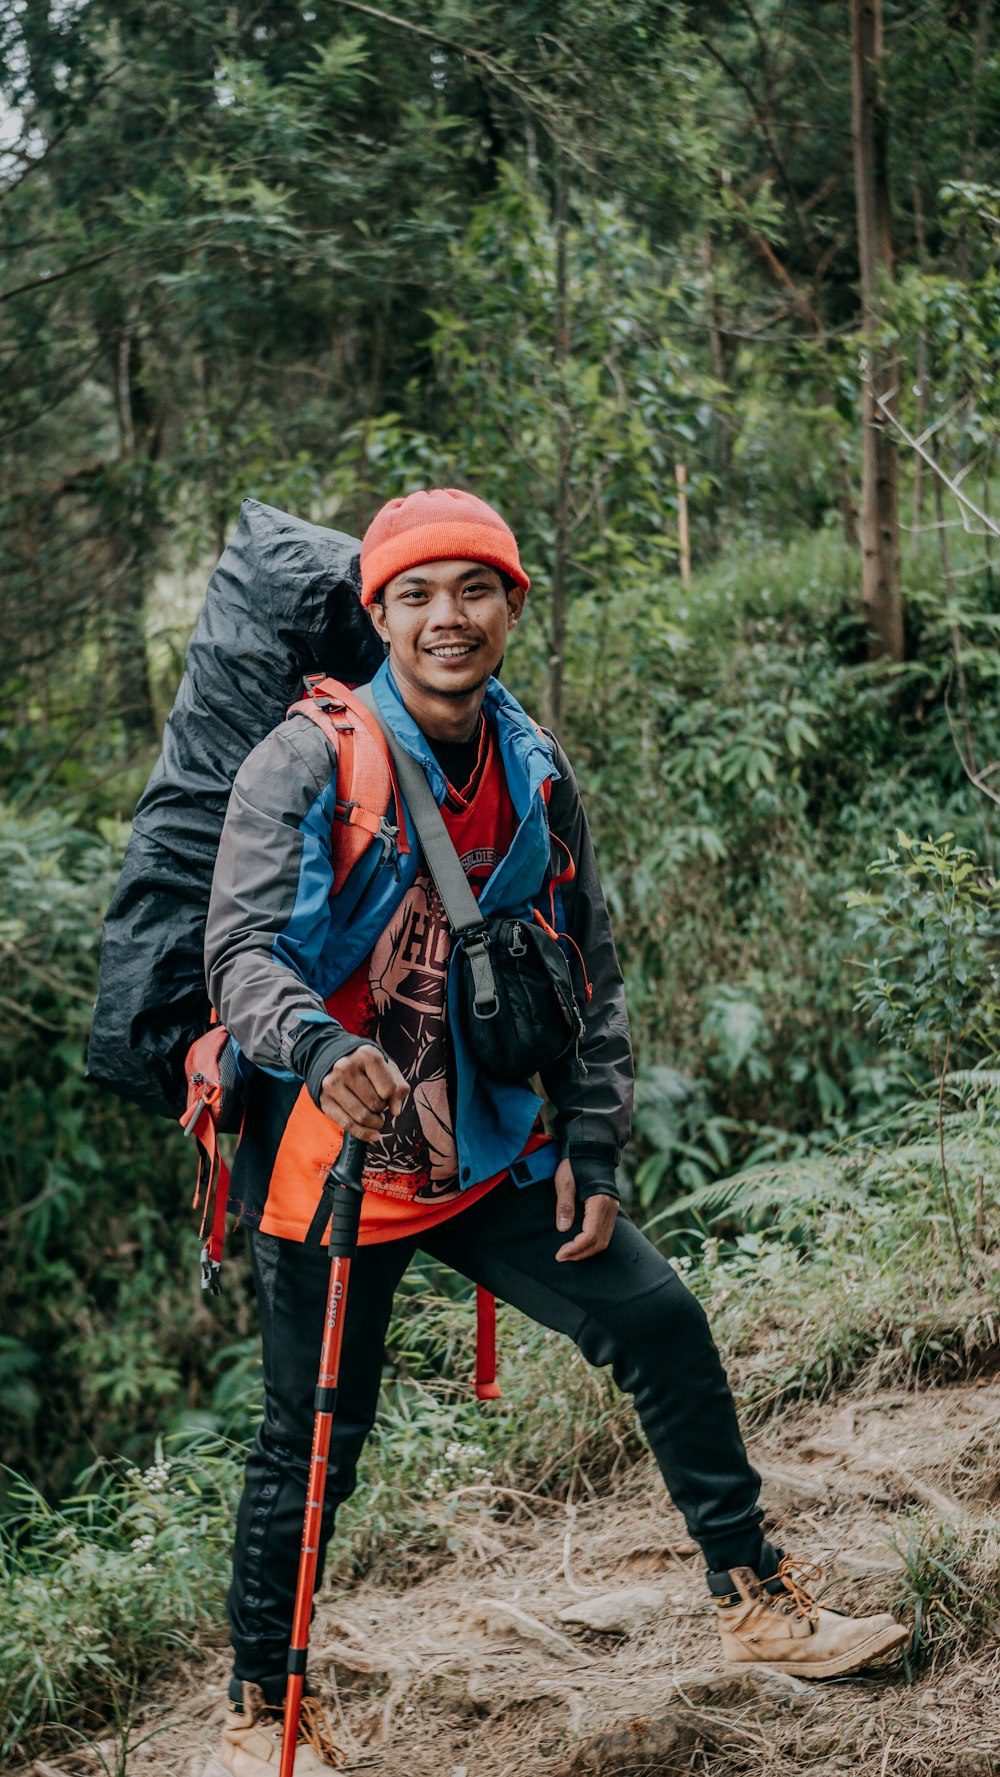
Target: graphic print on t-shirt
x: 407, y: 978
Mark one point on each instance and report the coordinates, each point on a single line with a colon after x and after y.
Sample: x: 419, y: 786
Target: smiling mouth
x: 452, y: 650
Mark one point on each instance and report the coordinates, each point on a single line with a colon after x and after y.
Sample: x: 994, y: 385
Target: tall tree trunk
x: 722, y: 420
x: 881, y: 588
x: 923, y: 370
x: 129, y: 521
x: 560, y: 560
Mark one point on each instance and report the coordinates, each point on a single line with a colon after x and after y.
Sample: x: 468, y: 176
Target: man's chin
x: 468, y: 688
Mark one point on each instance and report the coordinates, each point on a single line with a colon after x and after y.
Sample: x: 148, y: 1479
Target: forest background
x: 319, y: 255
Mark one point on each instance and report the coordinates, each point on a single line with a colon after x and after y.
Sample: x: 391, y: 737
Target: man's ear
x: 515, y: 602
x: 376, y: 612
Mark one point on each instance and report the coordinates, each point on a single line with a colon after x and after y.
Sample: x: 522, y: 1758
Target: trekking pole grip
x: 346, y: 1172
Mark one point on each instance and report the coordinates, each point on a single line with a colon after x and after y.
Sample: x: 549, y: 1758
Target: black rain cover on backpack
x: 283, y: 601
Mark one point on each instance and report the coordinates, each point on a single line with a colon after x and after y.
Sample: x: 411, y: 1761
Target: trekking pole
x: 341, y: 1205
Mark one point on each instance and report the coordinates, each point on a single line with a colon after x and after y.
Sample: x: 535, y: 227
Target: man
x: 340, y: 999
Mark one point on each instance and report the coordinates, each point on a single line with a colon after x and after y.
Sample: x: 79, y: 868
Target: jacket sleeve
x: 269, y: 914
x: 593, y: 1102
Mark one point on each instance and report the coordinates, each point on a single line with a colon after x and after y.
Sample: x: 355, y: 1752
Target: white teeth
x: 450, y: 653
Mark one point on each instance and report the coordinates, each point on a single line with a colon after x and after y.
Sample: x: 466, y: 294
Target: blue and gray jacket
x: 279, y: 942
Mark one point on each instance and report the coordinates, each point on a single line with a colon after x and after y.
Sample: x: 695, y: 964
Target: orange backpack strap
x: 366, y: 779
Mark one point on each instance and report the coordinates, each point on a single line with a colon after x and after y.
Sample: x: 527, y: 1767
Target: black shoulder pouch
x: 518, y: 1008
x: 532, y: 1018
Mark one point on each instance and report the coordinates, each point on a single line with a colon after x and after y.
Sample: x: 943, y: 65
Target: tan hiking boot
x: 251, y: 1740
x: 790, y: 1631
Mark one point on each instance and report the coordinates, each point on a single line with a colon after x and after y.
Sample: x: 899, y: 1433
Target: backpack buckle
x: 387, y: 836
x: 211, y: 1272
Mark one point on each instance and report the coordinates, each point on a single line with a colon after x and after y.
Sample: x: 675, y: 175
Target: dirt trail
x: 476, y: 1672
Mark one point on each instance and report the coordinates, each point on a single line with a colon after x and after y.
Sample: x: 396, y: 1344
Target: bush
x: 104, y: 1327
x: 99, y: 1594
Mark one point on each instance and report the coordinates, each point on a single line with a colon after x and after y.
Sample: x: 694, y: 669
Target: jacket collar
x: 526, y: 756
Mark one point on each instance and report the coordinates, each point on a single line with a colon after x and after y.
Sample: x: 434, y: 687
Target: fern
x: 791, y: 1190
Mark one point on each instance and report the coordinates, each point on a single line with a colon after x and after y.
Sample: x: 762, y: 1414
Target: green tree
x: 563, y: 385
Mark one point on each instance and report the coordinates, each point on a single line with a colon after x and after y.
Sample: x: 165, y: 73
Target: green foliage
x: 955, y: 310
x: 932, y: 985
x: 99, y: 1593
x: 104, y: 1327
x: 685, y: 1140
x: 844, y: 1271
x: 752, y: 768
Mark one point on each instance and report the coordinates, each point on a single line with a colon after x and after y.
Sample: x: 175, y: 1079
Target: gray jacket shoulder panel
x: 266, y: 840
x: 288, y: 769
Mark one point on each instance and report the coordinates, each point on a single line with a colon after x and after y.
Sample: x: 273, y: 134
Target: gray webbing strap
x: 442, y: 861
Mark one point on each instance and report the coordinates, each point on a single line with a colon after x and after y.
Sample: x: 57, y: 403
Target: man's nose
x: 447, y: 611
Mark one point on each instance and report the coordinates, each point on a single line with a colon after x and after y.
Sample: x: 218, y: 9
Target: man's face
x: 446, y: 623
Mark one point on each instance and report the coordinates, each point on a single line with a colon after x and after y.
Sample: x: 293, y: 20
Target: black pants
x: 625, y: 1307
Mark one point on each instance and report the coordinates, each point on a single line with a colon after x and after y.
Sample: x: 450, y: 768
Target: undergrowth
x: 817, y: 1275
x: 104, y: 1591
x: 839, y: 1269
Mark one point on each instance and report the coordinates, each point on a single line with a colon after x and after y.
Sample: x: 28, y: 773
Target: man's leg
x: 627, y: 1307
x: 291, y: 1282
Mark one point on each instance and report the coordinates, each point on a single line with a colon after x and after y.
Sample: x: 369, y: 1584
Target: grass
x: 949, y: 1587
x: 814, y: 1261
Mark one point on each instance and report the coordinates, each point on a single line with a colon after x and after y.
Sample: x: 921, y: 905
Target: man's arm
x: 269, y: 914
x: 593, y: 1102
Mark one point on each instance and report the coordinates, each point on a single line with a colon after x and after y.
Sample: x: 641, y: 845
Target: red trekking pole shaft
x: 344, y: 1189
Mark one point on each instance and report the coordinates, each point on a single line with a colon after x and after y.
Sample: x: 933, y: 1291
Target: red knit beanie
x: 436, y: 524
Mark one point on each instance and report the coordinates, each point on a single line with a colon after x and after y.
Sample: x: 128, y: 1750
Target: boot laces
x: 793, y: 1574
x: 314, y: 1730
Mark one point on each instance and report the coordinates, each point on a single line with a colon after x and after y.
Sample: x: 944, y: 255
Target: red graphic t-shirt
x: 398, y: 997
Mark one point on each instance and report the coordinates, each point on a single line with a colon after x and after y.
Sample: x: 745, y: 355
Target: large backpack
x: 282, y: 603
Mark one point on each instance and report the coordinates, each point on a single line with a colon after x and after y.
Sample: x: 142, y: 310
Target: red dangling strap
x: 217, y: 1194
x: 559, y: 936
x: 217, y: 1233
x: 213, y: 1169
x: 487, y: 1388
